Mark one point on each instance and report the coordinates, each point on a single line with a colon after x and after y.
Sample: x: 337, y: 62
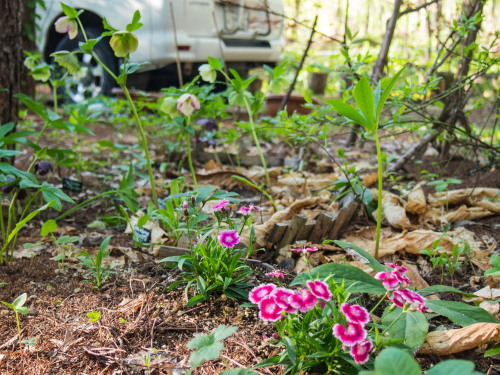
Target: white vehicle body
x: 240, y: 31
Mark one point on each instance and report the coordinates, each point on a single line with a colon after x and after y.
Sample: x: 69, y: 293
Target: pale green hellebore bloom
x: 169, y: 106
x: 67, y: 25
x: 207, y: 73
x: 187, y: 104
x: 123, y: 43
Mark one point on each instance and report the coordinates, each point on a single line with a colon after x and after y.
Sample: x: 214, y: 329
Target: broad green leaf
x: 205, y: 353
x: 493, y: 351
x: 374, y: 263
x: 453, y: 366
x: 412, y: 327
x: 239, y: 371
x: 443, y: 289
x: 355, y: 279
x: 393, y: 361
x: 349, y: 112
x: 19, y: 301
x: 69, y: 11
x: 222, y: 332
x: 48, y: 227
x: 214, y: 63
x: 364, y: 100
x: 6, y: 153
x: 385, y: 93
x: 460, y: 313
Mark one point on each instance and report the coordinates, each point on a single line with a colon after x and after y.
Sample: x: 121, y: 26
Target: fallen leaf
x: 417, y: 204
x: 458, y: 340
x: 394, y: 212
x: 370, y: 179
x: 472, y: 195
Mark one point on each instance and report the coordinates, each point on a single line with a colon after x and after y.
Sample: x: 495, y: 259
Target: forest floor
x: 141, y: 321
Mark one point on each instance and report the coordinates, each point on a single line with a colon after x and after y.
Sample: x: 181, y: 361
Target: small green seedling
x: 442, y: 185
x: 63, y: 243
x: 94, y: 264
x: 209, y: 346
x: 18, y: 307
x: 495, y: 262
x: 94, y: 316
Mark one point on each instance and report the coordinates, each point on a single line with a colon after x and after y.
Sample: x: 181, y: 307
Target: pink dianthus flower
x: 355, y: 313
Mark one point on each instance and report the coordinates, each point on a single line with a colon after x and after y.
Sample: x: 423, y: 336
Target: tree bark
x: 386, y: 43
x: 11, y: 57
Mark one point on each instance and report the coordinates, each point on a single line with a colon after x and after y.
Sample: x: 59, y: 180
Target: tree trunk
x: 11, y: 58
x: 386, y: 43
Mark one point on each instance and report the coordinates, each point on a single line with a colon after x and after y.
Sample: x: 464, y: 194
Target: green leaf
x: 385, y: 94
x: 493, y: 351
x: 21, y: 223
x: 393, y: 361
x: 412, y: 327
x: 453, y: 366
x: 206, y: 353
x: 94, y: 316
x: 222, y: 332
x: 374, y: 263
x: 364, y: 100
x: 19, y: 301
x: 48, y: 227
x: 349, y: 112
x: 6, y: 153
x: 214, y: 63
x: 460, y: 313
x: 104, y: 244
x: 443, y: 289
x: 355, y: 279
x: 69, y: 11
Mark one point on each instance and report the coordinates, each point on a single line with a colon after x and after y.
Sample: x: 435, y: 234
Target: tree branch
x: 411, y: 10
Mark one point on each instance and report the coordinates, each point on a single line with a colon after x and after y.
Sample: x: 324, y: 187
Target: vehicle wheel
x: 96, y: 80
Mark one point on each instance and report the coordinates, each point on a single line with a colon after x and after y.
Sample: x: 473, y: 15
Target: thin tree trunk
x: 11, y: 57
x: 386, y: 43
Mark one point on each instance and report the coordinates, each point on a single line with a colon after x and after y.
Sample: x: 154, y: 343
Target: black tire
x: 97, y: 81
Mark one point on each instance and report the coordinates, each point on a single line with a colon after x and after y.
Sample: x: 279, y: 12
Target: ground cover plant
x: 190, y: 231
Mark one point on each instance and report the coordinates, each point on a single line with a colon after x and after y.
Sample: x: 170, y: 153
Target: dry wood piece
x: 323, y: 224
x: 291, y: 233
x: 277, y: 233
x: 305, y: 231
x: 344, y: 216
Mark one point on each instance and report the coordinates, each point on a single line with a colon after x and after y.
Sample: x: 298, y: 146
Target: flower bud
x: 22, y: 194
x: 67, y: 25
x: 207, y: 73
x: 43, y: 167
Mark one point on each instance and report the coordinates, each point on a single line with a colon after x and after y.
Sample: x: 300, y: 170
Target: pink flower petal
x: 353, y: 334
x: 303, y: 300
x: 269, y: 310
x: 360, y: 352
x: 260, y: 292
x: 229, y: 238
x: 320, y: 290
x: 355, y: 313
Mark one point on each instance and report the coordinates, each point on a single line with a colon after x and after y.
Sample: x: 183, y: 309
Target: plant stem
x: 84, y: 203
x: 190, y: 160
x: 18, y: 323
x: 379, y: 302
x: 380, y: 175
x: 256, y: 140
x: 144, y: 144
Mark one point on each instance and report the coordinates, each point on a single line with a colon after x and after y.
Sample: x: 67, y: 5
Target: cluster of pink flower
x: 221, y: 205
x: 393, y: 281
x: 273, y: 301
x: 244, y: 210
x: 304, y: 250
x: 355, y: 335
x: 276, y: 273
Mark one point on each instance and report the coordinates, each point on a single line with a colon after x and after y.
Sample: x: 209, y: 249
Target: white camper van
x: 244, y: 33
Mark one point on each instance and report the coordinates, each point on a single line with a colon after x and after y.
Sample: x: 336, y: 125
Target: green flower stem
x: 379, y: 302
x: 18, y: 324
x: 190, y: 160
x: 256, y: 140
x: 144, y: 142
x: 380, y: 175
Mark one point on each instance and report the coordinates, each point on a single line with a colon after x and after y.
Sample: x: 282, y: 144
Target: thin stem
x: 256, y: 140
x: 18, y: 323
x: 144, y: 144
x: 84, y: 203
x: 379, y: 302
x: 190, y: 160
x: 380, y: 175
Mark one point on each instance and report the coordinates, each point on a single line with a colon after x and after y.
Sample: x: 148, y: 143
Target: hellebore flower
x: 353, y: 334
x: 229, y: 238
x: 269, y: 310
x: 67, y: 25
x: 320, y: 290
x: 22, y: 194
x: 9, y: 186
x: 260, y: 292
x: 43, y: 167
x: 187, y: 104
x: 169, y: 106
x: 207, y: 73
x: 222, y: 204
x: 355, y: 313
x: 123, y: 43
x: 303, y: 300
x: 361, y: 352
x: 209, y: 124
